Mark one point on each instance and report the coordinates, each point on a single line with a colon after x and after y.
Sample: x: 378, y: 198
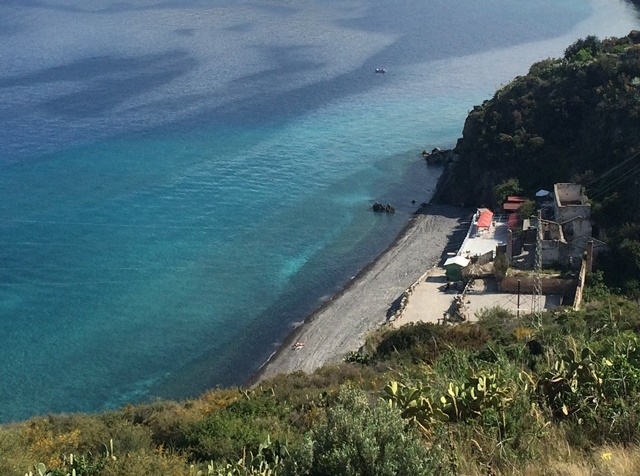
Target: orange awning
x: 485, y: 219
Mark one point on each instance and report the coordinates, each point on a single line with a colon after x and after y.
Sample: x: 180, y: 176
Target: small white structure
x: 458, y: 261
x: 454, y: 266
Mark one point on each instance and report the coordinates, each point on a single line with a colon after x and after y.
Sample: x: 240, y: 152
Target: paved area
x: 431, y: 299
x: 484, y: 294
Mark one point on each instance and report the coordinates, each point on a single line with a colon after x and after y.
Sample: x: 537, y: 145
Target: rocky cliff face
x: 570, y: 118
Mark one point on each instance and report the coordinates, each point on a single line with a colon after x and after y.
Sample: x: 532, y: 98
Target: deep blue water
x: 182, y: 182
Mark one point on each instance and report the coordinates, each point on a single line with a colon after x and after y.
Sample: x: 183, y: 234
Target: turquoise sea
x: 181, y: 183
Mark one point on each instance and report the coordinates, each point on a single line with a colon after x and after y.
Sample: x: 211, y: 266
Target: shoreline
x: 341, y: 324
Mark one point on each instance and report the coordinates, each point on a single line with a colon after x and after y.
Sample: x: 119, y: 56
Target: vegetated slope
x: 575, y: 118
x: 565, y: 117
x: 537, y: 395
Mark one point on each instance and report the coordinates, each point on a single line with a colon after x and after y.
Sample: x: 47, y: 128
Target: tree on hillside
x: 509, y: 187
x: 583, y: 49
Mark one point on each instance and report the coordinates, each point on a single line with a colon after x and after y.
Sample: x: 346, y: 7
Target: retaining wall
x: 549, y: 285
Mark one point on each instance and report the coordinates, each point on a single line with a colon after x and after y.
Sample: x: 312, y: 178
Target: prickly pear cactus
x: 572, y: 383
x: 461, y: 402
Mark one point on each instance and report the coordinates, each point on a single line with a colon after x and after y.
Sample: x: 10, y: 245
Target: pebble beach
x: 341, y: 325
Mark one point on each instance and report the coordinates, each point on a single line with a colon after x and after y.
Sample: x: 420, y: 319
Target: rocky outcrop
x: 439, y: 157
x: 379, y: 207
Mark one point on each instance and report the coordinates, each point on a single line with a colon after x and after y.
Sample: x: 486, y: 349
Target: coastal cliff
x: 570, y: 118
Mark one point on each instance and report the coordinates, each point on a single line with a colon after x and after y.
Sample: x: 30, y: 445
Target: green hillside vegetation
x: 573, y: 119
x: 549, y: 394
x: 554, y: 395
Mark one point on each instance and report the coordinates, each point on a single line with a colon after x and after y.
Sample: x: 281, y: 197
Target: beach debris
x: 297, y: 346
x: 379, y: 207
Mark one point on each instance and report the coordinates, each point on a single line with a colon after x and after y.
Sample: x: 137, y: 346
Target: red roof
x: 512, y: 221
x: 485, y: 219
x: 510, y: 206
x: 513, y: 198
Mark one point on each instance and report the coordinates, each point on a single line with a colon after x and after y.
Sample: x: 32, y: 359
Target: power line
x: 611, y: 170
x: 116, y: 225
x: 80, y: 283
x: 275, y: 256
x: 607, y: 184
x: 616, y: 182
x: 241, y: 228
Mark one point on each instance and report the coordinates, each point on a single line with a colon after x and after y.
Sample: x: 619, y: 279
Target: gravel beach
x: 342, y: 323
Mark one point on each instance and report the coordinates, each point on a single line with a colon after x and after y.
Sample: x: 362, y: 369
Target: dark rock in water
x: 379, y: 207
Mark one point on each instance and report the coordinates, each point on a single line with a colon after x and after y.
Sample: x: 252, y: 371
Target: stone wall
x: 549, y: 285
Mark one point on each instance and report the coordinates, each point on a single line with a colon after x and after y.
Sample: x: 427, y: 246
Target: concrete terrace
x: 431, y: 298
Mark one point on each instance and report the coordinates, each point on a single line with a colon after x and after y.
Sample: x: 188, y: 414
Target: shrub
x: 500, y: 266
x: 242, y: 426
x: 423, y: 342
x: 499, y: 324
x: 146, y: 463
x: 528, y: 208
x: 595, y: 289
x: 589, y: 46
x: 406, y: 337
x: 362, y: 439
x: 222, y: 436
x: 510, y: 186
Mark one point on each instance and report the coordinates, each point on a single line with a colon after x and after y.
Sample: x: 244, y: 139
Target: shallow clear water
x: 182, y: 182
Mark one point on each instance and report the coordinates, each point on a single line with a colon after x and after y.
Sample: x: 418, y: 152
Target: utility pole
x: 537, y: 274
x: 518, y: 305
